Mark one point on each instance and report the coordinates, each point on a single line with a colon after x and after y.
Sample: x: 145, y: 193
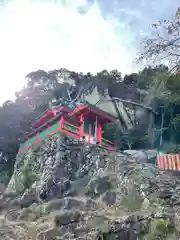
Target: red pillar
x: 19, y: 150
x: 81, y: 129
x: 99, y: 133
x: 61, y: 122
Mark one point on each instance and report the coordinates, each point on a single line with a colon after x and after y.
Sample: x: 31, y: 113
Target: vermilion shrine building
x: 85, y: 121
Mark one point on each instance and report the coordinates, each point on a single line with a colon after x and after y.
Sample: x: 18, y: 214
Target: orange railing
x: 169, y: 162
x: 74, y: 131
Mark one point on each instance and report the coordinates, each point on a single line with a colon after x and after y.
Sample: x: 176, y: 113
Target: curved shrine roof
x: 48, y: 114
x: 91, y: 109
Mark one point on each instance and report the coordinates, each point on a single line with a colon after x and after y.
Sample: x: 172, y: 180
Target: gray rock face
x: 54, y: 188
x: 139, y: 155
x: 99, y: 185
x: 2, y: 188
x: 60, y: 162
x: 66, y: 218
x: 109, y: 197
x: 28, y: 197
x: 65, y: 203
x: 56, y: 163
x: 49, y: 234
x: 95, y: 193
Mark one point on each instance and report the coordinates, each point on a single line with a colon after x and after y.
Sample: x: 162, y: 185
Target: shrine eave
x: 90, y: 109
x: 52, y: 120
x: 48, y: 114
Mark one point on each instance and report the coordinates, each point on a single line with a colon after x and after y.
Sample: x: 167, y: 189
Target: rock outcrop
x: 72, y: 191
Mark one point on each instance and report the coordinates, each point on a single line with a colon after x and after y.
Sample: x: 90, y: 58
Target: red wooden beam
x: 81, y: 131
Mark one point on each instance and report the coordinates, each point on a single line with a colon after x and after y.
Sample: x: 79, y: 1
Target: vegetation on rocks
x: 116, y: 197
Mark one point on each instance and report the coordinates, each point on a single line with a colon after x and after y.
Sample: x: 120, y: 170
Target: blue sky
x: 79, y: 35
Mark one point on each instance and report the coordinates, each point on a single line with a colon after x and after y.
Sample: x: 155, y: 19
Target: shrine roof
x: 92, y: 108
x: 71, y: 119
x: 49, y: 113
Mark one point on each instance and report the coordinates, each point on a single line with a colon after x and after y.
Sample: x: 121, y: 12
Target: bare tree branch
x: 166, y: 44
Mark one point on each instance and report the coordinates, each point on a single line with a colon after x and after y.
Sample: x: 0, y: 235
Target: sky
x: 80, y: 35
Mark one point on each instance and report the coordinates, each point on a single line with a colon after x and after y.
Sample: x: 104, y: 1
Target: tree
x: 143, y: 79
x: 166, y: 44
x: 131, y: 79
x: 136, y: 138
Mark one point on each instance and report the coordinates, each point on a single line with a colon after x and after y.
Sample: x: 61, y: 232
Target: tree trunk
x: 151, y: 133
x: 129, y: 146
x: 162, y: 128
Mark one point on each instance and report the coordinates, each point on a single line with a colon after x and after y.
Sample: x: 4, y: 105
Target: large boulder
x: 139, y: 155
x: 67, y: 217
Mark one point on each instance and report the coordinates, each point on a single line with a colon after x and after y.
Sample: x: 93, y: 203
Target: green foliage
x: 173, y: 148
x: 134, y: 139
x: 159, y: 229
x: 164, y: 84
x: 5, y: 176
x: 143, y: 79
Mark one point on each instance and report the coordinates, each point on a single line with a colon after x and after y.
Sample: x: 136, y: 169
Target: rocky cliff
x: 63, y: 189
x: 125, y: 96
